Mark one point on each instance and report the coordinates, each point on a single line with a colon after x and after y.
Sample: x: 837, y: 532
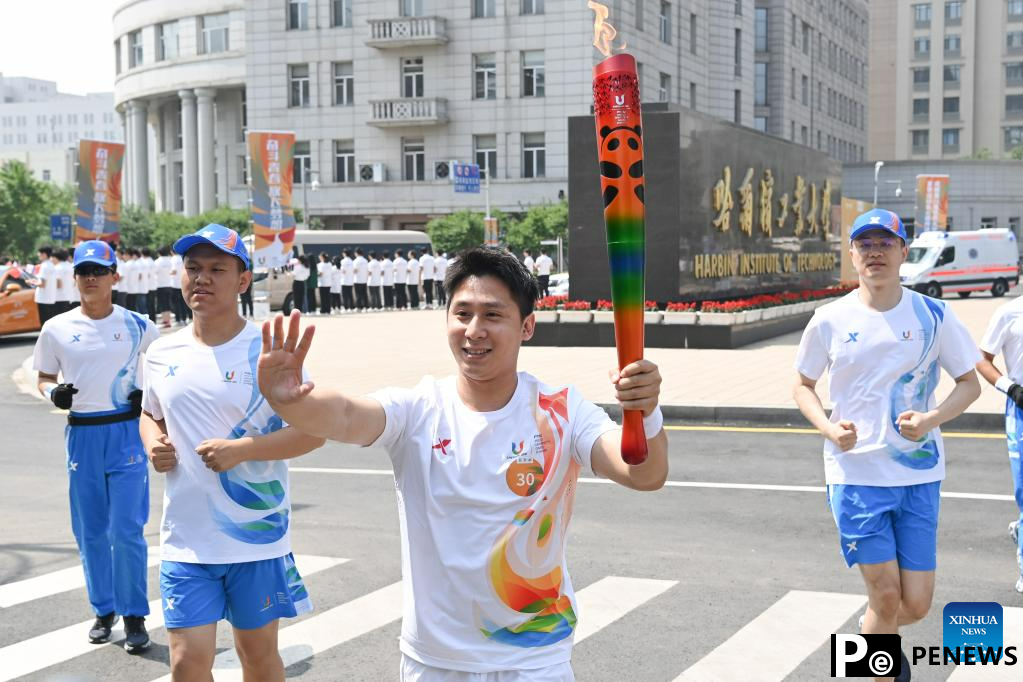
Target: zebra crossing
x: 780, y: 638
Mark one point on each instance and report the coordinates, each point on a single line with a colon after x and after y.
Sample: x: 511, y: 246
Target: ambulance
x: 962, y: 262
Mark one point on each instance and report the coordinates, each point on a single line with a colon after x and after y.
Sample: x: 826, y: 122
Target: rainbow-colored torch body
x: 620, y: 152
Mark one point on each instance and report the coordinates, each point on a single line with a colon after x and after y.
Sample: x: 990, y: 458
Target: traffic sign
x: 60, y: 227
x: 467, y: 178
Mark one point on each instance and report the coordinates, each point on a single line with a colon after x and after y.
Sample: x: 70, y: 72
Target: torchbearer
x: 483, y: 525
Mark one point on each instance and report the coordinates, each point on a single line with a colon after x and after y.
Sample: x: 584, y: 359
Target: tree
x: 982, y: 154
x: 457, y: 231
x: 25, y: 208
x: 541, y: 223
x: 1016, y: 154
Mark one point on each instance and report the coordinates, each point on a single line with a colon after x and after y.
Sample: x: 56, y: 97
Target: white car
x: 558, y: 284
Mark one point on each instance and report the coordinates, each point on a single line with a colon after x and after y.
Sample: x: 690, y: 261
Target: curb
x: 791, y: 416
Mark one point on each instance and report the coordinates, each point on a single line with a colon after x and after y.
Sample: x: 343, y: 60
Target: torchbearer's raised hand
x: 280, y: 364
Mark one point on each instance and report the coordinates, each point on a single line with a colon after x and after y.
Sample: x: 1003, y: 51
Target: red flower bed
x: 760, y: 300
x: 549, y: 302
x: 650, y: 306
x: 604, y: 304
x: 677, y: 307
x: 576, y: 305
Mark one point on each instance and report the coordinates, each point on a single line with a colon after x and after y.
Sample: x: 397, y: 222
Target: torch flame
x: 603, y: 32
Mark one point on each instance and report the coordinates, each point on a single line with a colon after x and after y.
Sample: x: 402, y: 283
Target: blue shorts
x: 878, y: 524
x: 249, y: 595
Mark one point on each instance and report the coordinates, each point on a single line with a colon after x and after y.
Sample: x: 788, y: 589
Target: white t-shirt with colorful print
x: 204, y: 392
x: 484, y: 502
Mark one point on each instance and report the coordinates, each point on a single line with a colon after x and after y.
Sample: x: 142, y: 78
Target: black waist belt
x: 74, y: 420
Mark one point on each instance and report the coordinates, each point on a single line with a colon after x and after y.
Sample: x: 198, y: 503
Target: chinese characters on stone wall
x: 809, y: 205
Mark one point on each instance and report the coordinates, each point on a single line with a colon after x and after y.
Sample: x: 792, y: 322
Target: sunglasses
x: 870, y: 245
x: 92, y: 270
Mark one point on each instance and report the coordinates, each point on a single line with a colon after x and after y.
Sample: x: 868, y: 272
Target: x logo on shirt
x: 852, y: 337
x: 75, y: 338
x: 170, y: 371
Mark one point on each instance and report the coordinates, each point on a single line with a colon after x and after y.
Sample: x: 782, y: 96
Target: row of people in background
x: 541, y: 268
x: 359, y: 281
x: 55, y: 291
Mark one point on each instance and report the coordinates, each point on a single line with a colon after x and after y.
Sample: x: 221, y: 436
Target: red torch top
x: 619, y: 62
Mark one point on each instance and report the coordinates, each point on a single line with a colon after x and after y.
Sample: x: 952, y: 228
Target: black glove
x: 1016, y: 393
x: 135, y: 398
x: 62, y: 395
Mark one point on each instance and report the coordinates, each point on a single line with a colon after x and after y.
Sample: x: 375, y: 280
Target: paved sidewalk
x: 363, y: 352
x: 360, y: 353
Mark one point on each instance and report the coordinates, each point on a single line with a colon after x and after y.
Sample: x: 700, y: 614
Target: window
x: 953, y: 12
x: 922, y: 15
x: 341, y: 13
x: 303, y: 163
x: 760, y: 123
x: 344, y: 84
x: 243, y: 171
x: 760, y: 29
x: 792, y: 84
x: 664, y: 22
x: 117, y: 57
x: 534, y: 155
x: 806, y: 91
x: 1014, y: 73
x: 986, y: 223
x: 664, y: 88
x: 298, y: 85
x: 738, y: 8
x: 737, y: 107
x: 482, y: 8
x: 738, y: 52
x: 536, y: 7
x: 411, y: 8
x: 921, y: 48
x: 214, y: 29
x: 760, y: 84
x: 413, y: 154
x: 344, y: 160
x: 46, y: 175
x: 950, y: 140
x: 953, y: 45
x: 412, y: 77
x: 167, y: 41
x: 1014, y: 41
x: 640, y: 15
x: 951, y: 74
x: 795, y: 30
x: 921, y: 110
x: 1015, y: 9
x: 485, y: 147
x: 1014, y: 106
x: 1013, y: 137
x: 806, y: 38
x: 804, y: 135
x: 921, y: 78
x: 178, y: 127
x: 532, y: 73
x: 1014, y: 225
x: 298, y: 15
x: 920, y: 141
x: 484, y: 76
x: 692, y: 96
x: 134, y: 49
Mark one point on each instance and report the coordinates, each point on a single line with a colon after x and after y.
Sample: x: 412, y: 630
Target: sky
x: 67, y: 41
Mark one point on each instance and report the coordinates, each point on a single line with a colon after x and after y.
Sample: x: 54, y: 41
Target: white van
x: 275, y: 284
x: 963, y: 262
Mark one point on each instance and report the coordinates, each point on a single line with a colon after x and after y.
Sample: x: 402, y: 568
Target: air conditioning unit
x: 443, y: 169
x: 372, y: 172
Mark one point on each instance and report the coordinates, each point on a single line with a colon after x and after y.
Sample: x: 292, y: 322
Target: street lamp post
x: 305, y: 197
x: 877, y: 170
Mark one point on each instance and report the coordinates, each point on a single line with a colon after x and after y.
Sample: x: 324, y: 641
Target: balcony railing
x: 405, y: 31
x: 921, y: 87
x: 406, y: 111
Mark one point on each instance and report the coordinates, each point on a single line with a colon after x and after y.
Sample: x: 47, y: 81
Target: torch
x: 620, y: 153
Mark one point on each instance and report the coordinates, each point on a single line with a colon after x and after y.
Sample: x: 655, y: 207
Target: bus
x: 275, y: 283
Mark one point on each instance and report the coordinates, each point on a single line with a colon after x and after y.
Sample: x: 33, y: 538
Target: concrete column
x: 126, y: 172
x: 207, y: 151
x: 376, y: 222
x: 140, y: 156
x: 170, y: 131
x: 190, y: 151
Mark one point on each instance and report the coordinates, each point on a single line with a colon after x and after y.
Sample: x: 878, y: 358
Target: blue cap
x: 224, y: 238
x: 95, y: 251
x: 878, y: 219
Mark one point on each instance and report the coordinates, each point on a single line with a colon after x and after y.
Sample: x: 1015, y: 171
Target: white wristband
x: 653, y: 424
x: 1004, y: 383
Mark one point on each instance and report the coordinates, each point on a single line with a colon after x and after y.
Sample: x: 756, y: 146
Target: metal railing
x: 406, y: 110
x: 407, y: 31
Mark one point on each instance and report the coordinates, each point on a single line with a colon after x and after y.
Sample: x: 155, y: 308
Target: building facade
x: 383, y: 97
x: 811, y: 73
x: 41, y: 127
x: 949, y: 79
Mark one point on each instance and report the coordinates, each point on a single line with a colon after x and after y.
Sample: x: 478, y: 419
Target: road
x: 731, y: 572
